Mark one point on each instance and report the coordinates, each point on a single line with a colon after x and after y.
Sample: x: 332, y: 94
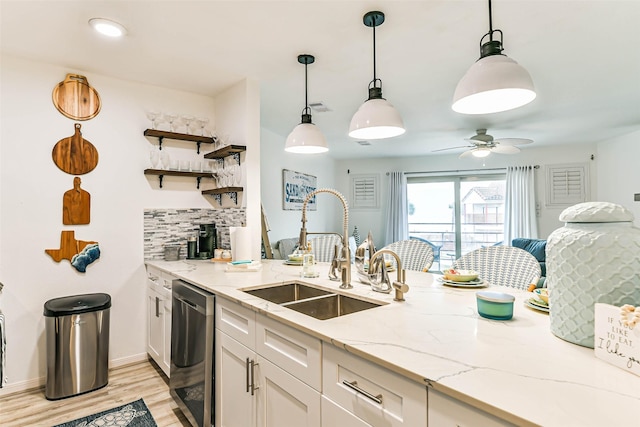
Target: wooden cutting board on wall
x: 74, y: 154
x: 76, y: 205
x: 75, y: 98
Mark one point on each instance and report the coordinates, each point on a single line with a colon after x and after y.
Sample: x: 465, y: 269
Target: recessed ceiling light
x: 107, y: 27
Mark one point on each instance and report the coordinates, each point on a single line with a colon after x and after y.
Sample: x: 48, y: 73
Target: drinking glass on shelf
x: 187, y: 119
x: 170, y: 118
x: 201, y: 122
x: 153, y: 116
x: 237, y: 175
x: 154, y: 157
x: 165, y: 159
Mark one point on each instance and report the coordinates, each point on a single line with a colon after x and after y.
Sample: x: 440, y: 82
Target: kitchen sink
x: 312, y: 301
x: 286, y: 293
x: 330, y: 306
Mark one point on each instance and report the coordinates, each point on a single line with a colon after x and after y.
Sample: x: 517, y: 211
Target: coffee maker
x: 206, y: 241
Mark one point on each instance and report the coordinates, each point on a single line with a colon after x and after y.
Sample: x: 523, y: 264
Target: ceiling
x: 582, y: 55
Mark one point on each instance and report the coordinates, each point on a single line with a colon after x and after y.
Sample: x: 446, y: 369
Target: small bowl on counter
x: 495, y: 305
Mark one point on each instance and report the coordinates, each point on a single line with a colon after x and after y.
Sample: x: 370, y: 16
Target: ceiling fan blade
x: 452, y: 148
x: 505, y: 149
x: 467, y: 153
x: 514, y: 141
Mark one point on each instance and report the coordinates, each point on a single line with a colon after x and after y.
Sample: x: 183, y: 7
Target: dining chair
x: 502, y: 265
x: 414, y: 254
x: 324, y: 247
x: 434, y: 247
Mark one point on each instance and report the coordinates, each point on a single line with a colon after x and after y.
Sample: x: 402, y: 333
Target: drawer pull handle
x: 354, y: 386
x: 157, y: 307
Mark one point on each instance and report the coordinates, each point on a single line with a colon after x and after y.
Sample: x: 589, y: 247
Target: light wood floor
x: 126, y: 384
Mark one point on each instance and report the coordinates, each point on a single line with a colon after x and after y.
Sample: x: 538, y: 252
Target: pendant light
x: 306, y: 138
x: 376, y: 118
x: 494, y: 82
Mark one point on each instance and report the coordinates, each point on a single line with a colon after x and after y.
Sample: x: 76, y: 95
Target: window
x: 567, y: 184
x: 458, y: 213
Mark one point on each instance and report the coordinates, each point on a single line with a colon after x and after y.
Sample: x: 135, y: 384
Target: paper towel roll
x: 240, y: 243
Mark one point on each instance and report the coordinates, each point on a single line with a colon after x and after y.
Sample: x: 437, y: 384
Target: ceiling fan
x: 483, y: 144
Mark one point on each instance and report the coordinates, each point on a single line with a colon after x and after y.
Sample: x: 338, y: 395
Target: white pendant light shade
x: 306, y: 138
x: 376, y: 119
x: 481, y: 152
x: 493, y: 84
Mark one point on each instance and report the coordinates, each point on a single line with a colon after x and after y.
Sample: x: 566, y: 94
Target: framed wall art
x: 295, y: 188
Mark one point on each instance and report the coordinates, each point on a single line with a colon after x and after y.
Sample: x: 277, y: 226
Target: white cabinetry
x: 367, y: 394
x: 445, y: 411
x: 159, y: 317
x: 267, y: 374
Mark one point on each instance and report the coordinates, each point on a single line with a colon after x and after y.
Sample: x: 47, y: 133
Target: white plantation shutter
x: 567, y: 184
x: 364, y: 191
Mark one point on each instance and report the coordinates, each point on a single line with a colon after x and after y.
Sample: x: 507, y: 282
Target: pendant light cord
x: 490, y: 23
x: 306, y: 91
x: 374, y: 53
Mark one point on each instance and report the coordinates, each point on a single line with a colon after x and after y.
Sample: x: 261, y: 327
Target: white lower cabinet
x: 159, y: 318
x: 373, y: 395
x: 256, y: 389
x: 445, y: 411
x: 336, y: 416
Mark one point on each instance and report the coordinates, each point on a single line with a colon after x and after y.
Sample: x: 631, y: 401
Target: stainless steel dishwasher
x: 191, y: 382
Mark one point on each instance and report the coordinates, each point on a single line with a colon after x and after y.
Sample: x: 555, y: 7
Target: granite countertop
x: 517, y: 369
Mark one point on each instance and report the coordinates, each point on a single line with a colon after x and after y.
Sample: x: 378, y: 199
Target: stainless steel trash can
x: 77, y: 340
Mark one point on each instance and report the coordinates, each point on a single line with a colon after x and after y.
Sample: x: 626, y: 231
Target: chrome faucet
x: 398, y: 286
x: 341, y: 262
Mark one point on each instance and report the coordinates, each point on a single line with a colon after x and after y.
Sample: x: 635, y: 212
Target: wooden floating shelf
x: 162, y: 172
x: 223, y: 152
x: 179, y: 136
x: 223, y: 190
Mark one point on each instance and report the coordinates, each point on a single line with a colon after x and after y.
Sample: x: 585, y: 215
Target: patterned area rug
x: 134, y: 414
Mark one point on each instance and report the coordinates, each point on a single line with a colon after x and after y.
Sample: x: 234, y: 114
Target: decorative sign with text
x: 615, y: 342
x: 296, y: 187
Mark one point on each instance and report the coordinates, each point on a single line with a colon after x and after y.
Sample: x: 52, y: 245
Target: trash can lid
x: 76, y: 304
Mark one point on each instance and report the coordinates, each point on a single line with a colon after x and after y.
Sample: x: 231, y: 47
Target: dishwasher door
x: 191, y: 382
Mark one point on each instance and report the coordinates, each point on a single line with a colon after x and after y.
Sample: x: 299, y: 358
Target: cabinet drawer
x: 236, y: 321
x: 160, y: 277
x: 376, y: 395
x: 290, y: 349
x: 446, y: 411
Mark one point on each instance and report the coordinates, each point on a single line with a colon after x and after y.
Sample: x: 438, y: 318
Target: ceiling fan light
x: 481, y: 152
x: 306, y: 138
x: 376, y: 119
x: 493, y: 84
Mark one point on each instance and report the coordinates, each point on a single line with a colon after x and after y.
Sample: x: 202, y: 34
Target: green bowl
x: 495, y: 305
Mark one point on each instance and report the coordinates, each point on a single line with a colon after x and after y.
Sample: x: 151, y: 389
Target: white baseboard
x: 40, y: 382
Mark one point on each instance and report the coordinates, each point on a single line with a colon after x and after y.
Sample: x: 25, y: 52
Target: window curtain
x: 397, y: 209
x: 520, y: 204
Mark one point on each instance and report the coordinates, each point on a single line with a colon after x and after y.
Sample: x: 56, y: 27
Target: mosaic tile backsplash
x: 173, y: 227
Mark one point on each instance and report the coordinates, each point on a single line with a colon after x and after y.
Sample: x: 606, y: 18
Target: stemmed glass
x: 153, y: 116
x: 202, y: 122
x: 187, y: 119
x: 154, y: 157
x: 170, y: 118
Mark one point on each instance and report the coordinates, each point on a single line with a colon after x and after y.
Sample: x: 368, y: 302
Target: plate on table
x: 288, y: 262
x: 536, y: 305
x: 478, y: 283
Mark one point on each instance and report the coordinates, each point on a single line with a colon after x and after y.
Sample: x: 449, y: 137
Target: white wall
x: 619, y: 179
x: 31, y: 190
x: 285, y: 224
x: 374, y: 219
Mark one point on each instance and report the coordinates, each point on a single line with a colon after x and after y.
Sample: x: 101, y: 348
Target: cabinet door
x: 235, y: 406
x: 334, y: 416
x: 446, y: 411
x: 284, y: 400
x: 155, y: 325
x: 166, y: 359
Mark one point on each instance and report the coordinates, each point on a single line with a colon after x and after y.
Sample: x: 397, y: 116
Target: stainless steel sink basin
x: 330, y: 306
x: 309, y: 300
x: 286, y: 293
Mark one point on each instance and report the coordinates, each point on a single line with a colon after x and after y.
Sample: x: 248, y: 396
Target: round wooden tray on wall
x: 76, y: 99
